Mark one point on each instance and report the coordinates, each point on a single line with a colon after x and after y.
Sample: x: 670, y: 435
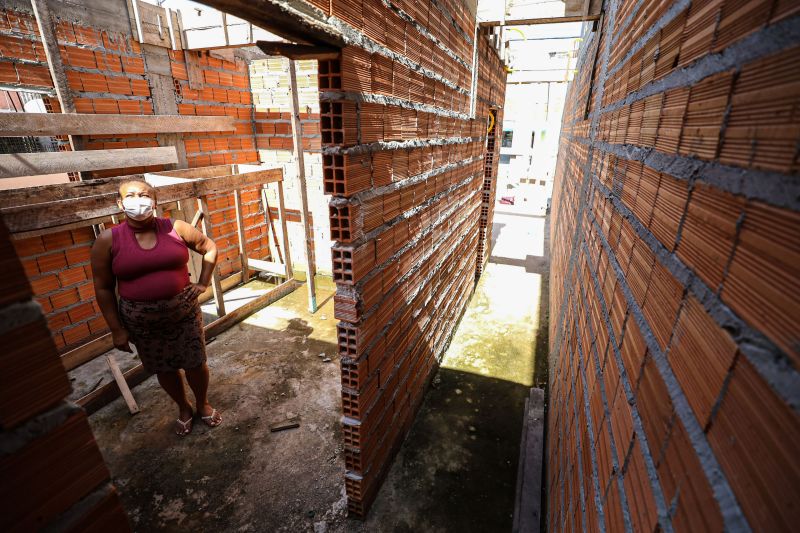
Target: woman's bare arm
x: 104, y: 289
x: 201, y: 244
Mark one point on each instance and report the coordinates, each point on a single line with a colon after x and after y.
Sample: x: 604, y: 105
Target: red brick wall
x: 403, y: 160
x: 226, y: 91
x: 50, y: 461
x: 106, y: 74
x: 57, y: 266
x: 675, y: 274
x: 274, y: 131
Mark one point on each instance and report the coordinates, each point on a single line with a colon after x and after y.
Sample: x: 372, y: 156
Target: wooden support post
x: 282, y: 216
x: 297, y: 130
x: 216, y: 286
x: 122, y: 384
x: 237, y: 197
x: 46, y: 24
x: 225, y: 28
x: 265, y: 202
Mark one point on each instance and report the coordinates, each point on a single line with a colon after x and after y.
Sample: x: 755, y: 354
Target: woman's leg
x: 173, y: 384
x: 198, y: 381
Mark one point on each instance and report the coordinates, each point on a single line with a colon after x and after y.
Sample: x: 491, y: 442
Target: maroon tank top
x: 146, y: 275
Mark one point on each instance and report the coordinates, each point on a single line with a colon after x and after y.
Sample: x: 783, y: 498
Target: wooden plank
x: 534, y: 21
x: 196, y: 219
x: 46, y: 124
x: 56, y: 229
x: 36, y: 164
x: 216, y: 286
x: 281, y: 215
x: 299, y: 51
x: 63, y: 191
x: 289, y: 423
x: 239, y: 314
x: 42, y: 215
x: 200, y: 172
x: 237, y: 200
x: 122, y: 384
x: 102, y: 396
x: 194, y: 71
x: 265, y: 203
x: 85, y: 353
x: 527, y: 508
x: 271, y: 267
x: 297, y: 142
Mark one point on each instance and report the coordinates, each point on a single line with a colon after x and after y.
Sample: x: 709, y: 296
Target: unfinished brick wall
x: 52, y: 470
x: 272, y: 104
x: 222, y: 88
x: 104, y: 69
x: 676, y: 273
x: 403, y: 160
x: 107, y: 73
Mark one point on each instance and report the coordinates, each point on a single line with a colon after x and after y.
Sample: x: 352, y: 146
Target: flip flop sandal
x: 183, y: 428
x: 212, y: 420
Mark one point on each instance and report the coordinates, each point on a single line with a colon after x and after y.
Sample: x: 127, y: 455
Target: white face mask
x: 137, y: 207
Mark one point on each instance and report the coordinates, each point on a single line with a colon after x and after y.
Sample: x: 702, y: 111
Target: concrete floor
x: 240, y: 476
x: 456, y: 471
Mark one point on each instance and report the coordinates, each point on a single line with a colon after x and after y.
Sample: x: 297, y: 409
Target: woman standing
x: 146, y: 258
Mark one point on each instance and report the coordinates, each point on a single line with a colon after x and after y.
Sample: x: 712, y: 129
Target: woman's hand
x: 197, y: 289
x: 120, y: 339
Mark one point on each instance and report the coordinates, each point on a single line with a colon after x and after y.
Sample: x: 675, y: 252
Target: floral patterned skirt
x: 168, y: 334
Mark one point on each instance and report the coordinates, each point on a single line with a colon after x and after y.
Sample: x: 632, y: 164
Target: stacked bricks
x: 53, y: 472
x: 272, y: 101
x: 676, y: 273
x: 57, y: 267
x: 107, y: 73
x: 225, y: 90
x: 403, y: 160
x: 104, y: 70
x: 491, y: 163
x: 222, y: 211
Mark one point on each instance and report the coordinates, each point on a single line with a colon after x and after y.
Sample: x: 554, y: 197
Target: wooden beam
x: 216, y: 286
x: 47, y: 214
x: 201, y: 172
x: 36, y: 164
x: 265, y: 203
x: 299, y: 51
x: 291, y: 19
x: 285, y: 233
x: 48, y: 124
x: 239, y: 314
x: 297, y: 142
x: 271, y: 267
x: 122, y: 384
x: 545, y: 20
x: 104, y: 395
x: 237, y: 200
x: 63, y: 191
